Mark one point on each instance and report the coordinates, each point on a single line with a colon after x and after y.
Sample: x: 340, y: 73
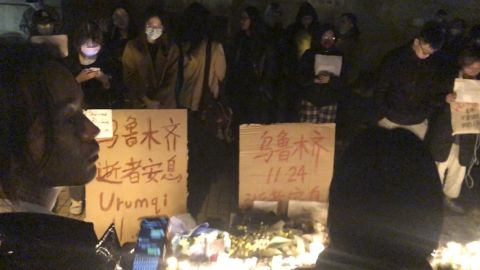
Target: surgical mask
x: 90, y: 51
x: 153, y: 33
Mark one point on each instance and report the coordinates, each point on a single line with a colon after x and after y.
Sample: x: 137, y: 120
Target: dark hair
x: 306, y: 9
x: 469, y: 56
x: 351, y: 17
x: 85, y: 31
x: 386, y: 200
x: 257, y: 26
x: 433, y: 34
x: 196, y: 25
x: 150, y: 12
x: 462, y: 22
x: 24, y: 99
x: 132, y: 27
x: 317, y: 37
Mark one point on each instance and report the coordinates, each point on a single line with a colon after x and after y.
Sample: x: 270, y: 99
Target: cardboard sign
x: 58, y: 42
x: 468, y: 91
x: 285, y: 162
x: 328, y: 63
x: 141, y: 172
x: 103, y: 120
x: 465, y: 118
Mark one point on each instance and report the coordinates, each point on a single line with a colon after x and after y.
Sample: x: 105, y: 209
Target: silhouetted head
x: 386, y: 199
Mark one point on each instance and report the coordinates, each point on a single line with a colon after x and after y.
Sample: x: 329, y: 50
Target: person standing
x: 27, y: 23
x: 409, y: 86
x: 319, y: 92
x: 298, y: 39
x: 201, y: 85
x: 455, y: 154
x: 150, y: 65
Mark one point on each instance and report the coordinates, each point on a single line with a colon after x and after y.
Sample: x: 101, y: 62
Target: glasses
x: 328, y: 38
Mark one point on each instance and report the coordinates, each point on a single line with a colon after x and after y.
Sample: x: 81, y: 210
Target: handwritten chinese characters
x: 141, y: 171
x: 286, y: 161
x: 465, y: 118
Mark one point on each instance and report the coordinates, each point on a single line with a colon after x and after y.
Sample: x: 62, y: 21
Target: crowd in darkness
x: 266, y: 74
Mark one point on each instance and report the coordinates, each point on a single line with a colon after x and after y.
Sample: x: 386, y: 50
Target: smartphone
x: 150, y: 247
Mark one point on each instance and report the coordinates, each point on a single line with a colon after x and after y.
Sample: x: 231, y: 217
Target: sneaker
x: 453, y: 206
x: 76, y: 208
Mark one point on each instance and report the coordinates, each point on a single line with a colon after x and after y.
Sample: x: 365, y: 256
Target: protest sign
x: 465, y: 118
x: 103, y: 120
x: 285, y: 162
x: 141, y: 171
x: 328, y: 63
x: 468, y: 91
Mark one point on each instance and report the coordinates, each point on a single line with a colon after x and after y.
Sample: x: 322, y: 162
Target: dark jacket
x: 95, y: 96
x: 42, y: 241
x: 439, y: 136
x: 318, y: 94
x: 408, y: 89
x: 153, y: 79
x: 296, y: 36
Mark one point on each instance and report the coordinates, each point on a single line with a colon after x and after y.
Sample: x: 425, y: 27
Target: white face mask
x: 153, y: 33
x: 90, y: 51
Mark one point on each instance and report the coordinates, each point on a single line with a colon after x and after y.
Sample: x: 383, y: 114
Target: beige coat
x: 193, y: 74
x: 148, y: 86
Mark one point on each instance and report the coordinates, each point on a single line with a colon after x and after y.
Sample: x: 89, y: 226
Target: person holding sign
x: 319, y: 78
x: 46, y: 143
x: 408, y: 88
x: 454, y: 153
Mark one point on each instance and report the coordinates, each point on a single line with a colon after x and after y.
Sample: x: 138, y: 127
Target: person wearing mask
x: 250, y: 70
x: 93, y: 71
x: 199, y: 49
x: 409, y: 85
x: 47, y: 144
x: 348, y: 43
x: 319, y: 92
x: 27, y: 22
x: 455, y: 154
x: 150, y: 65
x: 385, y: 205
x: 298, y: 39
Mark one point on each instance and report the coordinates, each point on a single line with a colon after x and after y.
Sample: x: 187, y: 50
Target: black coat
x: 409, y: 89
x: 439, y: 138
x: 319, y: 95
x: 43, y: 241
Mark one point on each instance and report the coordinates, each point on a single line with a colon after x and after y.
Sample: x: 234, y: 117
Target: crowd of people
x: 267, y: 75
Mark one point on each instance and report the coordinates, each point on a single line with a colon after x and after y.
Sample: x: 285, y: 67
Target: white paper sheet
x: 468, y: 91
x: 329, y: 63
x: 103, y: 120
